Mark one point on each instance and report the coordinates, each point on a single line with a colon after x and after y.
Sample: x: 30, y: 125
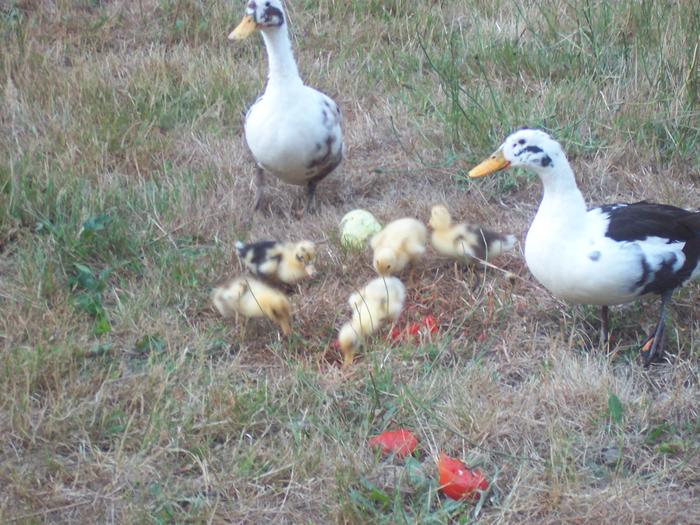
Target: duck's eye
x: 521, y: 141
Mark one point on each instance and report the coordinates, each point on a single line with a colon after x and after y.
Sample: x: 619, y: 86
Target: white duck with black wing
x: 606, y: 255
x: 293, y: 131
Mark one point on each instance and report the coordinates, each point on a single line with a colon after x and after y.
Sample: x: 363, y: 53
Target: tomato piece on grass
x: 413, y: 329
x: 399, y: 442
x: 457, y: 481
x: 430, y: 323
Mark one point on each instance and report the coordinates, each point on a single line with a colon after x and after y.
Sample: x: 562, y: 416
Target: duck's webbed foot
x: 653, y: 348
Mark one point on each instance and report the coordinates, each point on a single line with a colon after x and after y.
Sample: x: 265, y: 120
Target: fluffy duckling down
x: 381, y: 300
x: 286, y: 262
x: 398, y: 244
x: 463, y: 241
x: 252, y: 298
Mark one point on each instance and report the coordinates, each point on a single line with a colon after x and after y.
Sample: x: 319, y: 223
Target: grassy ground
x: 124, y: 181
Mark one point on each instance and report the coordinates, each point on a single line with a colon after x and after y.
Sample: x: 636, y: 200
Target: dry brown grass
x: 125, y: 399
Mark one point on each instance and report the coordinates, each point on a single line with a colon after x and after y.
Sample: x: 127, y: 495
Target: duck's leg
x: 653, y: 348
x: 259, y: 185
x: 310, y: 197
x: 604, y: 327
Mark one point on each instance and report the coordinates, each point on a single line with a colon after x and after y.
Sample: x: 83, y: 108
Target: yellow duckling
x: 398, y: 244
x: 252, y: 298
x: 463, y: 241
x: 286, y: 262
x: 381, y: 300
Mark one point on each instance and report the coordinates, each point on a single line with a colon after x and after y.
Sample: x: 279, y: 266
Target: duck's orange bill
x: 494, y: 163
x: 243, y: 30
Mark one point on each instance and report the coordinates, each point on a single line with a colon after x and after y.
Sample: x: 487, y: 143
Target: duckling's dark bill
x: 243, y: 30
x: 494, y: 163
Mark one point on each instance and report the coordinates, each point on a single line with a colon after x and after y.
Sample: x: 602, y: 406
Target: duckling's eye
x: 300, y: 258
x: 521, y: 141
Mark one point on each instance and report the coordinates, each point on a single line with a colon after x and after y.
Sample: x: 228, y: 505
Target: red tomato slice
x: 457, y: 481
x: 399, y: 442
x: 430, y: 323
x: 395, y: 334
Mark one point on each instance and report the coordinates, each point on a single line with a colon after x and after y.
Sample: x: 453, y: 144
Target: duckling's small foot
x: 410, y: 281
x: 477, y: 275
x: 348, y: 358
x: 243, y: 324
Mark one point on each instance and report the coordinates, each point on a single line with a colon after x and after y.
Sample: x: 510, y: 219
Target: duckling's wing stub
x: 257, y: 254
x: 481, y: 243
x: 490, y: 243
x: 254, y: 250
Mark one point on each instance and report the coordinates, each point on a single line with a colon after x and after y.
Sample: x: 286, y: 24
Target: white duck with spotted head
x: 606, y: 255
x: 293, y: 131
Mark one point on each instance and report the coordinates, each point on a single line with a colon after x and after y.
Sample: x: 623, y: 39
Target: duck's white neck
x: 562, y: 201
x: 283, y: 68
x: 559, y: 182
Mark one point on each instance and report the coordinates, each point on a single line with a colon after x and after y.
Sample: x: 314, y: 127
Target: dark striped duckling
x: 285, y: 262
x: 465, y: 242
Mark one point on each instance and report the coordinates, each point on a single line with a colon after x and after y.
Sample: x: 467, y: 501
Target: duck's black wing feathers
x: 640, y: 221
